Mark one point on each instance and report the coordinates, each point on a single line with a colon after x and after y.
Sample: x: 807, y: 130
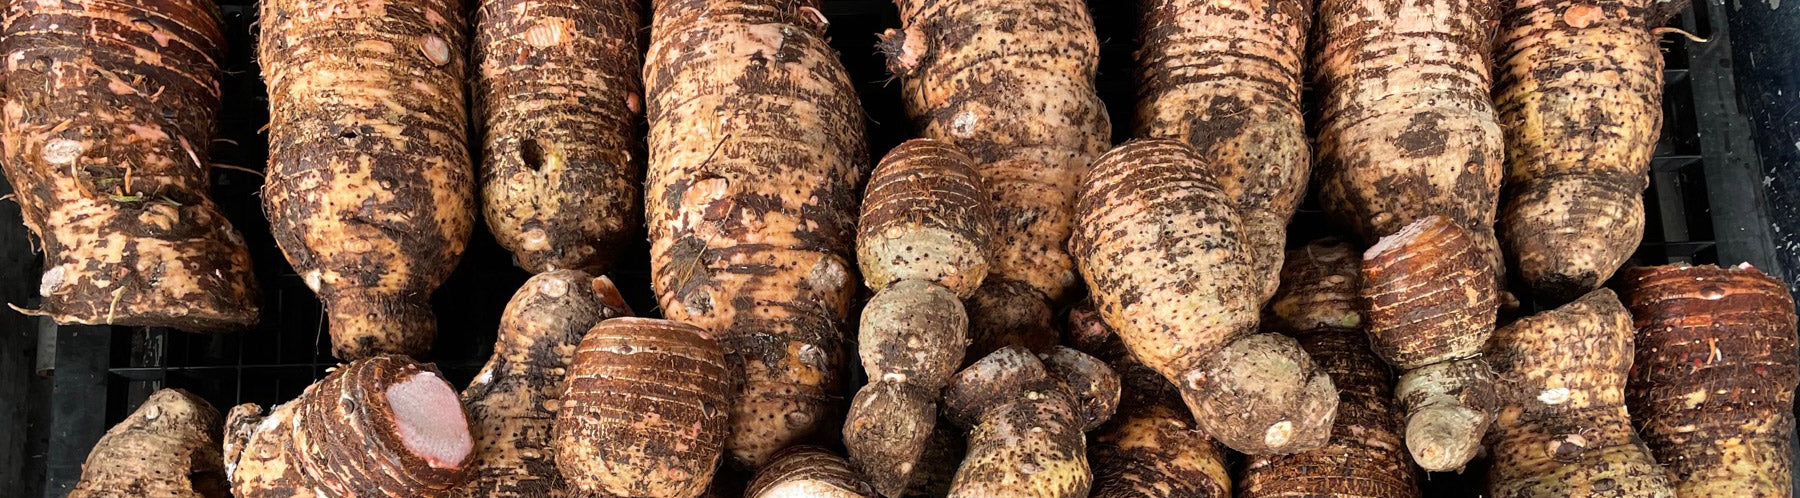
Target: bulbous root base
x: 1262, y: 395
x: 363, y: 327
x: 1449, y: 406
x: 887, y: 429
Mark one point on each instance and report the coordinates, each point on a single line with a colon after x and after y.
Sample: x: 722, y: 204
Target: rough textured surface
x: 808, y: 472
x: 513, y: 401
x: 1365, y: 457
x: 925, y: 216
x: 1026, y: 420
x: 756, y: 149
x: 1011, y: 83
x: 1430, y: 307
x: 369, y: 192
x: 1225, y: 77
x: 1407, y: 129
x: 1159, y: 245
x: 169, y: 447
x: 339, y: 438
x: 1712, y: 387
x: 913, y: 335
x: 645, y: 410
x: 109, y: 112
x: 1580, y: 97
x: 922, y: 242
x: 557, y: 98
x: 1562, y: 428
x: 1152, y: 447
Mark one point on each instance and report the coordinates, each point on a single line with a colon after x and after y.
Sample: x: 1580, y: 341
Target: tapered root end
x: 1444, y: 438
x: 1262, y: 395
x: 886, y: 431
x: 1568, y: 236
x: 362, y: 328
x: 429, y: 419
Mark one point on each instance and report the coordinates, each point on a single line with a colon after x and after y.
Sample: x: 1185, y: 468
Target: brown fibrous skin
x: 1580, y: 97
x: 1407, y: 128
x: 1430, y: 307
x: 645, y: 410
x: 1562, y: 428
x: 1319, y: 303
x: 806, y: 471
x: 370, y: 193
x: 169, y: 448
x: 1027, y: 414
x: 1151, y: 447
x: 1159, y: 245
x: 514, y: 399
x: 338, y: 438
x: 1012, y: 84
x: 756, y: 149
x: 1225, y: 77
x: 925, y: 216
x: 922, y: 243
x: 108, y: 117
x: 1712, y: 387
x: 557, y: 98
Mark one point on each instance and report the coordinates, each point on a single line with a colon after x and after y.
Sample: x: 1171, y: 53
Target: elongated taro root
x: 556, y: 93
x: 513, y: 401
x: 1431, y: 307
x: 1159, y: 245
x: 380, y: 426
x: 1151, y: 447
x: 169, y: 447
x: 1562, y: 428
x: 1320, y: 304
x: 1407, y: 127
x: 369, y: 191
x: 922, y: 244
x: 1027, y: 415
x: 108, y: 115
x: 756, y: 149
x: 1580, y: 97
x: 1225, y: 78
x: 1012, y: 84
x: 1712, y: 387
x: 645, y: 410
x: 808, y: 472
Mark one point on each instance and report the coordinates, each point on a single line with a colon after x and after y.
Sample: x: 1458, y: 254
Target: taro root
x: 108, y: 118
x: 381, y: 426
x: 169, y: 447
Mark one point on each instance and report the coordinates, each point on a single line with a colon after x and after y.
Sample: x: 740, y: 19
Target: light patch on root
x: 1444, y: 437
x: 1407, y: 234
x: 428, y: 416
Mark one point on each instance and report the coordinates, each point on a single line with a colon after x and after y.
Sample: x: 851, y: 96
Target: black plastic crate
x: 1705, y: 205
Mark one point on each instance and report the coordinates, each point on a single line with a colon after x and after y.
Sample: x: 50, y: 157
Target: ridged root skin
x: 342, y: 436
x: 645, y: 410
x: 1712, y: 385
x: 808, y: 472
x: 756, y: 148
x: 169, y: 448
x: 1319, y: 303
x: 913, y: 335
x: 370, y: 190
x: 513, y: 401
x: 107, y: 121
x: 1151, y: 220
x: 557, y: 96
x: 1430, y: 309
x: 1026, y: 418
x: 1562, y: 428
x: 1151, y: 447
x: 1225, y: 77
x: 925, y: 216
x: 1579, y: 93
x: 1407, y: 127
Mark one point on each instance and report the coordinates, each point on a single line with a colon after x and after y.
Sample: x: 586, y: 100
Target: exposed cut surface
x: 430, y: 420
